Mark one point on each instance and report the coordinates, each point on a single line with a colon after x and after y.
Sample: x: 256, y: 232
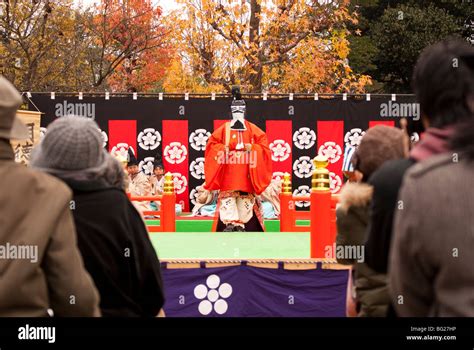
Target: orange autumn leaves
x: 274, y: 46
x: 202, y: 46
x: 134, y: 44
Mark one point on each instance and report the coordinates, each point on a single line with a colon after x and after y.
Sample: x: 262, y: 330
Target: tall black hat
x: 132, y: 160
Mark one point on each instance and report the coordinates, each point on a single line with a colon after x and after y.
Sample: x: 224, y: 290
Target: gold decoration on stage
x: 286, y: 186
x: 168, y: 186
x: 320, y: 180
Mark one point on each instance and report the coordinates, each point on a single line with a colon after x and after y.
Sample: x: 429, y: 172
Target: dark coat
x: 352, y: 220
x: 386, y: 182
x: 117, y: 250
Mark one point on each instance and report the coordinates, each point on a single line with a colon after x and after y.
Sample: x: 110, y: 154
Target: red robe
x: 253, y: 176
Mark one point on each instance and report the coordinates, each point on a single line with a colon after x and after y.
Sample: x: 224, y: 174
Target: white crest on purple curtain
x: 212, y: 295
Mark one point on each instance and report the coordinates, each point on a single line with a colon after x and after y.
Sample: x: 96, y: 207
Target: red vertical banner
x: 122, y: 135
x: 176, y: 157
x: 331, y: 144
x: 372, y: 123
x: 279, y: 139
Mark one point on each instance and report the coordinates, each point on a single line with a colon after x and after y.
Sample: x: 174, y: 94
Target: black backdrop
x: 176, y: 119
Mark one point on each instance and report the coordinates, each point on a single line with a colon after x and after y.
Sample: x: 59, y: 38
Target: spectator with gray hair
x: 112, y: 236
x: 36, y: 216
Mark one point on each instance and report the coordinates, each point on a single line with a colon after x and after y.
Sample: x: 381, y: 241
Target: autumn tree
x: 127, y: 42
x: 41, y: 45
x: 268, y: 45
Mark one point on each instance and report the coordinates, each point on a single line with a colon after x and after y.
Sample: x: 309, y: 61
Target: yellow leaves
x: 179, y: 79
x: 297, y: 46
x: 340, y: 44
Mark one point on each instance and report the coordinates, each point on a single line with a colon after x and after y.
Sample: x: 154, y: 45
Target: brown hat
x: 379, y: 144
x: 10, y: 99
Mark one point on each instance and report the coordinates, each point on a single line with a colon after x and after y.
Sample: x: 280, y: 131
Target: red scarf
x: 434, y: 141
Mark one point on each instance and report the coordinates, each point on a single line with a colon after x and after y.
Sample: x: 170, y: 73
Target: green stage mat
x: 231, y: 245
x: 206, y: 225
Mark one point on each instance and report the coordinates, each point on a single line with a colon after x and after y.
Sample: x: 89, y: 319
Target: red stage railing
x: 167, y: 211
x: 322, y: 213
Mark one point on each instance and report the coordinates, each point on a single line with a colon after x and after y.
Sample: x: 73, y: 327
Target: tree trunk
x: 255, y: 75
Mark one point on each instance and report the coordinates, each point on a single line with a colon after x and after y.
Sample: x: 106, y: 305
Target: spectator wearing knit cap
x: 112, y: 237
x: 36, y: 217
x: 379, y: 144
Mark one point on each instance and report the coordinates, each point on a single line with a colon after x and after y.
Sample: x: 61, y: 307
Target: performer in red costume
x: 238, y: 163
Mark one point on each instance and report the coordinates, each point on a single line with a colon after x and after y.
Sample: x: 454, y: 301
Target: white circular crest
x: 149, y: 139
x: 353, y: 137
x: 331, y: 150
x: 180, y: 182
x: 303, y: 167
x: 212, y: 295
x: 281, y: 150
x: 278, y: 176
x: 175, y: 153
x: 304, y: 138
x: 193, y: 196
x: 198, y: 139
x: 302, y: 190
x: 146, y: 165
x: 196, y: 168
x: 121, y: 150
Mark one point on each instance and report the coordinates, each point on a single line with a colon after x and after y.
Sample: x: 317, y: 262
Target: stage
x: 247, y: 274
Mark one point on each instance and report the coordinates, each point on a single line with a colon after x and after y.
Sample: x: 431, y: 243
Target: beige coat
x: 352, y: 219
x: 35, y: 216
x: 431, y: 256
